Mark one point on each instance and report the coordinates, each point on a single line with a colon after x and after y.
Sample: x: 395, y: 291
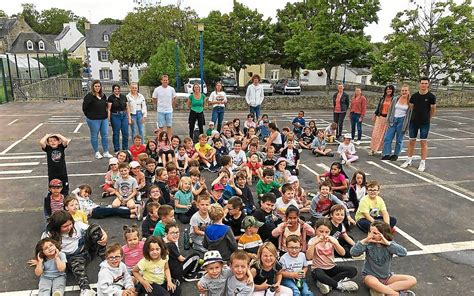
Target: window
x: 274, y: 74
x: 103, y: 55
x: 41, y: 45
x: 105, y: 74
x: 29, y: 45
x: 106, y: 37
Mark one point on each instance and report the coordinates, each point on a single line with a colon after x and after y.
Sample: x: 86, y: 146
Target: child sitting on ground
x: 113, y: 278
x: 152, y: 150
x: 54, y: 145
x: 207, y: 154
x: 300, y: 195
x: 166, y: 216
x: 238, y: 156
x: 306, y: 138
x: 165, y: 152
x: 241, y: 280
x: 246, y: 196
x: 150, y: 167
x: 137, y: 174
x: 132, y: 251
x: 372, y: 207
x: 213, y: 283
x: 318, y: 146
x: 254, y: 168
x: 173, y: 177
x: 298, y: 123
x: 287, y: 198
x: 267, y: 184
x: 154, y: 195
x: 183, y: 201
x: 265, y: 215
x: 218, y: 236
x: 250, y: 241
x: 182, y: 159
x: 249, y: 122
x: 292, y: 157
x: 71, y: 204
x: 330, y: 132
x: 151, y: 219
x: 269, y: 161
x: 281, y: 173
x: 324, y: 270
x: 337, y: 214
x: 377, y: 272
x: 111, y: 177
x: 292, y: 225
x: 199, y: 222
x: 221, y: 150
x: 126, y: 190
x: 338, y: 179
x: 137, y: 147
x: 357, y: 189
x: 235, y: 216
x: 347, y: 150
x: 161, y: 177
x: 198, y: 183
x: 227, y: 182
x: 54, y: 202
x: 190, y: 151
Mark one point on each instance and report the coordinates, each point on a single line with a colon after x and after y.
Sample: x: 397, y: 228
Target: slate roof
x: 5, y: 25
x: 19, y: 46
x: 77, y: 44
x: 63, y: 33
x: 95, y: 35
x: 49, y: 38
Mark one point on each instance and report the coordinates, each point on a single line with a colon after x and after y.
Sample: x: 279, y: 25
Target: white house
x: 352, y: 75
x: 97, y: 41
x: 312, y: 77
x: 72, y: 40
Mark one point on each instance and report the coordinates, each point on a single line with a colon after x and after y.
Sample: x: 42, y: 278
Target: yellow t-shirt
x: 153, y: 271
x: 80, y: 216
x: 373, y: 207
x: 203, y: 149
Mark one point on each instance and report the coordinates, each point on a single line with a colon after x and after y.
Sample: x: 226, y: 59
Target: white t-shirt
x: 281, y: 207
x: 213, y: 97
x: 292, y: 264
x: 70, y: 244
x: 165, y: 97
x: 238, y: 158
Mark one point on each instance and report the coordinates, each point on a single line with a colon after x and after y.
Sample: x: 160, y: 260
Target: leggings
x: 158, y: 290
x: 339, y: 119
x: 193, y: 117
x: 332, y: 276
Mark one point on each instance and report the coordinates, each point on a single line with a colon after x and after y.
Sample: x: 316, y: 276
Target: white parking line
x: 74, y: 162
x: 438, y: 157
x: 463, y: 131
x: 441, y: 135
x: 410, y: 238
x: 448, y: 120
x: 24, y: 138
x: 19, y: 164
x: 12, y: 122
x: 22, y: 157
x: 324, y: 167
x: 77, y: 128
x: 309, y: 169
x: 46, y: 176
x: 15, y: 172
x: 380, y: 167
x: 66, y: 116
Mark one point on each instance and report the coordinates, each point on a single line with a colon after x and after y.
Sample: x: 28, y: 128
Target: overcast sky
x: 95, y: 10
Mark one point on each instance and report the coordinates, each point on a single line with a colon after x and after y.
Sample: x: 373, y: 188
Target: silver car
x: 267, y: 86
x: 288, y: 86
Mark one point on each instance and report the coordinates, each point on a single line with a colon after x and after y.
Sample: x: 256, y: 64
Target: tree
x: 164, y: 62
x: 333, y: 34
x: 31, y: 15
x: 237, y: 39
x: 3, y: 14
x: 145, y: 29
x: 110, y: 21
x: 434, y: 41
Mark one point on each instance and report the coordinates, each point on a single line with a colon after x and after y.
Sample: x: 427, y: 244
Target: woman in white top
x: 274, y: 139
x: 218, y: 100
x: 138, y: 111
x: 398, y: 118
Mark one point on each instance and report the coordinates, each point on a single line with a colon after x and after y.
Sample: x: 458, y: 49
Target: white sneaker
x: 347, y: 286
x: 98, y: 155
x: 325, y: 289
x: 422, y: 166
x: 139, y: 212
x: 57, y: 293
x: 406, y: 164
x: 87, y: 292
x: 107, y: 154
x: 343, y: 161
x: 357, y: 142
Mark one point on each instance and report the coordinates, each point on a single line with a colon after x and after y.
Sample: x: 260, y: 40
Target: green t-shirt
x: 159, y: 229
x: 262, y: 188
x: 197, y: 105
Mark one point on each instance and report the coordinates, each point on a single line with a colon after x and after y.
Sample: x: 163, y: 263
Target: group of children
x: 239, y: 244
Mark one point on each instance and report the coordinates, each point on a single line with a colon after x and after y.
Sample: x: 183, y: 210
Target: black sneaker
x: 393, y: 157
x: 105, y: 194
x: 192, y: 277
x: 386, y: 157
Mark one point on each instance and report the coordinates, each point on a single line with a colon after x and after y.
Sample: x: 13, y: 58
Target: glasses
x: 114, y: 258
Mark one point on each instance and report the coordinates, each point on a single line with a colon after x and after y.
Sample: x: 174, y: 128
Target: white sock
x: 409, y: 158
x: 422, y: 161
x: 208, y: 165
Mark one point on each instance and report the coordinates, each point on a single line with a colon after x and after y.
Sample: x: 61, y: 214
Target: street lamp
x: 200, y: 27
x: 177, y: 63
x: 344, y: 76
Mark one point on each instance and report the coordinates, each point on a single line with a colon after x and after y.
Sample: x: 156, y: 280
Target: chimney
x: 87, y: 25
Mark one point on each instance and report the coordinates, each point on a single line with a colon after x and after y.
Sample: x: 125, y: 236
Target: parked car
x: 288, y: 86
x: 229, y: 85
x: 266, y: 84
x: 188, y: 86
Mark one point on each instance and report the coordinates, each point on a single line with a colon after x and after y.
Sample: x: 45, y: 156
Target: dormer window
x: 106, y: 37
x: 41, y: 45
x: 29, y: 45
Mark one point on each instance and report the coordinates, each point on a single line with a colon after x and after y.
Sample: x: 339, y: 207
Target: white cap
x: 134, y: 164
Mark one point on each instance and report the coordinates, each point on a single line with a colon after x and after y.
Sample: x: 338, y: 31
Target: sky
x: 95, y: 10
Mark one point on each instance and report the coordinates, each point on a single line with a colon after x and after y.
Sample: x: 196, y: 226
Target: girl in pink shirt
x: 133, y: 249
x: 338, y: 178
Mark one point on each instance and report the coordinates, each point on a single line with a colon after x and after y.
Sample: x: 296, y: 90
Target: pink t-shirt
x: 323, y: 255
x: 336, y: 180
x: 132, y: 256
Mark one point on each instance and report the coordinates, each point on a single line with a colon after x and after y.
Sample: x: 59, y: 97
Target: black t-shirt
x: 56, y: 160
x: 265, y: 231
x: 118, y: 103
x: 165, y: 198
x: 263, y: 275
x: 422, y: 107
x: 94, y: 108
x: 235, y: 224
x: 148, y: 226
x: 176, y: 268
x: 307, y: 139
x: 336, y: 231
x: 247, y: 196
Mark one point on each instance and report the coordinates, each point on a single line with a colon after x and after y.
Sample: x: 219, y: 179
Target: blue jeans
x: 395, y: 128
x: 137, y: 124
x: 119, y: 123
x: 255, y: 111
x: 217, y: 117
x: 414, y: 128
x: 355, y: 122
x: 290, y: 283
x: 364, y: 224
x: 96, y: 126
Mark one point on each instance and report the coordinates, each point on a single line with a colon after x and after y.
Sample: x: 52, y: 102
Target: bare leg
x: 373, y: 283
x: 411, y: 147
x: 400, y: 282
x: 424, y: 149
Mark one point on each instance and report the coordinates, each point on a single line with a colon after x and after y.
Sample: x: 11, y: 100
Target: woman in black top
x: 94, y: 107
x: 119, y: 117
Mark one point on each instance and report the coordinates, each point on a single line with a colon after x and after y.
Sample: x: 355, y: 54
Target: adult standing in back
x: 340, y: 101
x: 94, y: 107
x: 218, y: 100
x: 164, y: 99
x: 138, y: 111
x: 358, y: 108
x: 119, y: 118
x: 254, y: 96
x: 380, y: 119
x: 423, y: 106
x: 196, y: 112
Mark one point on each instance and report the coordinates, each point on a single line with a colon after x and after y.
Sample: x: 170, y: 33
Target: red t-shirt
x: 254, y: 167
x: 135, y: 150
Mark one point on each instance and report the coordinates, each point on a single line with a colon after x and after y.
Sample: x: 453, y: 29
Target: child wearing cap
x: 111, y: 177
x: 54, y: 202
x: 250, y: 241
x: 300, y: 195
x: 217, y: 194
x: 225, y: 179
x: 347, y: 150
x: 135, y: 172
x: 218, y: 236
x: 210, y: 129
x: 54, y: 145
x: 214, y: 281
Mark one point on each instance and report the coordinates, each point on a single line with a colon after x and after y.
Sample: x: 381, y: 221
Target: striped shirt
x: 57, y: 205
x: 250, y: 243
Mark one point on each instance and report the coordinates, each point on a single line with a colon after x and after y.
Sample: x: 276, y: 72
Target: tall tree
x: 110, y: 21
x: 435, y: 40
x: 31, y: 16
x: 52, y: 20
x: 237, y: 39
x: 3, y: 14
x: 333, y: 34
x: 146, y: 28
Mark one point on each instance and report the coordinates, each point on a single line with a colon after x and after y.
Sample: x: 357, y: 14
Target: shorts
x: 165, y: 119
x: 413, y: 130
x: 382, y: 280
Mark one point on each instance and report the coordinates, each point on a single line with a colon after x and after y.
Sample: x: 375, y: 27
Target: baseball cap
x: 134, y: 164
x: 214, y: 132
x: 211, y: 122
x: 280, y: 159
x: 113, y: 160
x: 251, y: 221
x: 292, y: 179
x: 217, y: 186
x: 347, y: 136
x: 211, y: 257
x: 55, y: 183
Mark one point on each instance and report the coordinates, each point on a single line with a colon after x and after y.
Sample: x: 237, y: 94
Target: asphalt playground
x: 434, y: 208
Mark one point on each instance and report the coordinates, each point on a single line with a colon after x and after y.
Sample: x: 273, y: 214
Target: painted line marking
x: 12, y: 122
x: 71, y: 123
x: 309, y: 169
x: 16, y: 172
x: 460, y: 123
x: 323, y: 166
x: 77, y: 128
x: 74, y: 162
x: 461, y: 117
x: 19, y: 164
x: 66, y: 116
x: 21, y: 157
x: 351, y: 165
x: 19, y: 210
x: 469, y: 146
x: 24, y: 138
x: 463, y: 131
x: 410, y: 238
x: 441, y: 135
x: 63, y: 121
x: 471, y: 231
x: 380, y: 167
x: 26, y: 153
x: 46, y: 176
x: 438, y: 157
x: 430, y: 181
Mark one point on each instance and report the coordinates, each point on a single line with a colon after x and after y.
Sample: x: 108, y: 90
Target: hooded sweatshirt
x: 220, y: 237
x: 113, y: 280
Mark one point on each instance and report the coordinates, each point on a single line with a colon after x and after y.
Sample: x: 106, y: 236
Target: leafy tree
x: 164, y: 62
x: 434, y: 40
x: 110, y: 21
x: 31, y: 15
x: 212, y: 73
x: 237, y: 39
x: 74, y: 68
x: 3, y: 14
x: 144, y: 30
x: 333, y: 34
